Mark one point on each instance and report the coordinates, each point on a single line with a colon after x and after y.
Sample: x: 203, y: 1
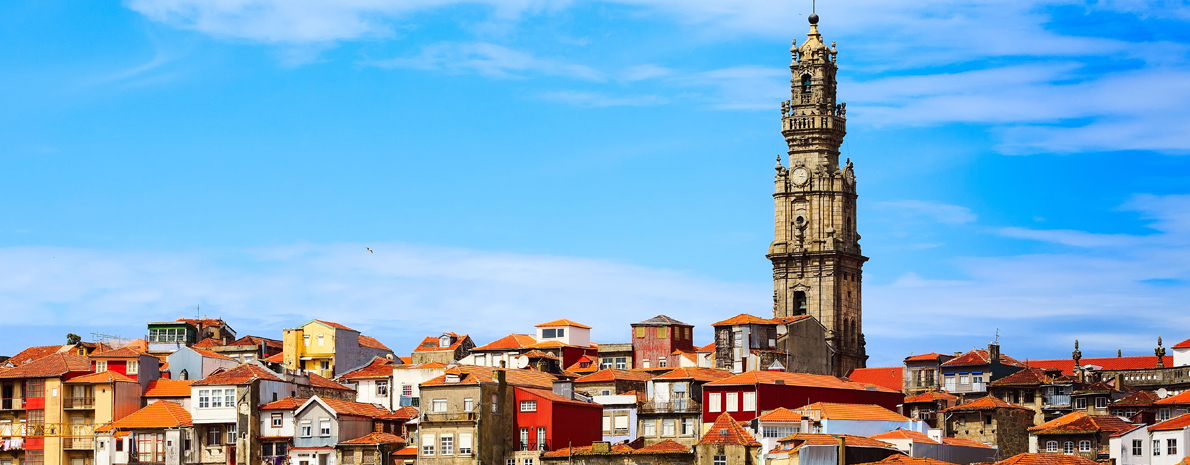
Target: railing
x: 676, y: 406
x: 12, y: 403
x: 536, y: 446
x: 78, y: 443
x: 1057, y: 401
x: 449, y: 416
x: 78, y: 402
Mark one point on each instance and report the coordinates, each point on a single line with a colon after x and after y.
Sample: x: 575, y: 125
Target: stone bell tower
x: 817, y: 263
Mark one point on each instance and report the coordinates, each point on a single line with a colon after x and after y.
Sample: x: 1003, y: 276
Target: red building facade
x: 655, y: 340
x: 547, y: 421
x: 745, y: 396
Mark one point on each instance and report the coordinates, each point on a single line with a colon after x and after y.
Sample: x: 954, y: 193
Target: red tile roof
x: 50, y: 366
x: 907, y: 460
x: 430, y: 343
x: 790, y: 319
x: 102, y: 377
x: 1032, y: 376
x: 511, y: 341
x: 470, y: 374
x: 614, y: 449
x: 123, y: 352
x: 257, y: 341
x: 796, y: 379
x: 905, y: 434
x: 1046, y: 459
x: 979, y: 357
x: 668, y: 446
x: 208, y: 343
x: 1182, y: 345
x: 932, y: 356
x: 1137, y: 399
x: 932, y: 396
x: 377, y: 438
x: 986, y: 403
x: 334, y: 325
x: 238, y: 375
x: 799, y: 439
x: 1175, y: 423
x: 745, y: 319
x: 889, y: 377
x: 405, y: 360
x: 288, y: 403
x: 158, y: 415
x: 563, y: 322
x: 833, y: 411
x: 208, y: 354
x: 964, y: 442
x: 548, y: 394
x: 378, y: 368
x: 1081, y: 423
x: 608, y: 375
x: 410, y: 451
x: 404, y: 413
x: 368, y: 341
x: 1108, y: 363
x: 707, y: 348
x: 358, y: 409
x: 168, y: 388
x: 781, y: 414
x: 320, y: 382
x: 1183, y: 398
x: 592, y: 365
x: 203, y: 322
x: 539, y: 354
x: 726, y: 432
x: 276, y: 358
x: 32, y: 353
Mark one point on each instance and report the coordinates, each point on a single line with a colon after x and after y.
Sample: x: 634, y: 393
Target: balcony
x: 1057, y: 401
x: 78, y: 402
x: 536, y: 446
x: 78, y: 443
x: 449, y: 416
x: 676, y: 406
x: 12, y: 403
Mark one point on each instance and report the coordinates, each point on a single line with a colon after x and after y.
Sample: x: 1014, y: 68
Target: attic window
x: 452, y: 378
x: 444, y: 341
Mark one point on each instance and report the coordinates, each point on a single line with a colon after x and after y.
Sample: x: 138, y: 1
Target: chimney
x: 994, y: 353
x: 564, y: 388
x: 805, y: 424
x: 842, y: 450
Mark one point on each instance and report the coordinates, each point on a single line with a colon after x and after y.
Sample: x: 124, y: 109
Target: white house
x: 216, y: 405
x: 1181, y: 354
x: 857, y: 419
x: 566, y: 332
x: 1130, y: 447
x: 277, y: 428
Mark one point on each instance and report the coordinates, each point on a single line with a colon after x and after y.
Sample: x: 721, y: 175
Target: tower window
x: 799, y: 302
x: 805, y: 83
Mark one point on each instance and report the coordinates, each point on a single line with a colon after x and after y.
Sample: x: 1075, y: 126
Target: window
x: 324, y: 427
x: 964, y: 379
x: 276, y: 420
x: 1084, y: 446
x: 1156, y: 447
x: 806, y: 83
x: 306, y: 340
x: 621, y: 424
x: 320, y: 341
x: 549, y: 333
x: 144, y: 447
x: 325, y: 364
x: 661, y: 362
x: 1080, y: 403
x: 468, y: 404
x: 152, y: 335
x: 119, y: 444
x: 688, y: 334
x: 713, y: 400
x: 640, y: 331
x: 720, y: 460
x: 214, y: 433
x: 495, y: 404
x: 1068, y: 447
x: 231, y: 434
x: 266, y: 449
x: 279, y: 449
x: 524, y: 438
x: 799, y: 303
x: 464, y: 443
x: 1163, y: 414
x: 438, y: 405
x: 447, y: 444
x: 204, y: 398
x: 607, y: 425
x: 427, y: 444
x: 101, y: 366
x: 667, y: 427
x: 733, y: 402
x: 527, y: 461
x: 407, y: 389
x: 186, y: 444
x: 778, y: 432
x: 133, y: 367
x: 644, y: 364
x: 948, y: 380
x: 1171, y: 446
x: 650, y: 427
x: 1028, y: 397
x: 1100, y: 402
x: 1138, y: 447
x: 382, y: 388
x: 662, y: 332
x: 621, y: 363
x: 307, y: 429
x: 749, y: 401
x: 216, y: 398
x: 510, y: 462
x: 540, y: 438
x: 229, y: 397
x: 528, y: 406
x: 34, y: 457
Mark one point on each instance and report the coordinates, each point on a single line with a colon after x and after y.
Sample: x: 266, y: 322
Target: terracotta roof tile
x: 470, y: 374
x: 979, y: 357
x: 276, y: 358
x: 410, y: 451
x: 660, y: 320
x: 378, y: 368
x: 932, y: 396
x: 592, y: 365
x: 907, y: 460
x: 539, y: 354
x: 158, y: 415
x: 123, y: 352
x: 745, y: 319
x: 359, y: 409
x: 781, y: 414
x: 511, y: 341
x: 240, y: 374
x: 257, y: 341
x: 707, y: 348
x: 404, y: 413
x: 320, y: 382
x: 905, y: 434
x: 377, y: 438
x: 563, y: 322
x: 50, y: 366
x: 1137, y: 399
x: 1081, y: 423
x: 208, y: 343
x: 985, y: 403
x: 203, y: 322
x: 1183, y: 398
x: 168, y: 388
x: 1182, y: 345
x: 888, y: 377
x: 790, y: 319
x: 102, y: 378
x: 1046, y: 459
x: 798, y: 439
x: 32, y: 353
x: 932, y: 356
x: 668, y: 446
x: 614, y: 449
x: 369, y: 341
x: 1032, y: 376
x: 696, y: 374
x: 288, y: 403
x: 430, y: 343
x: 209, y: 354
x: 334, y: 325
x: 611, y: 374
x: 797, y: 379
x: 726, y: 432
x: 405, y: 360
x: 1175, y: 423
x: 833, y: 411
x: 964, y: 442
x: 1108, y: 363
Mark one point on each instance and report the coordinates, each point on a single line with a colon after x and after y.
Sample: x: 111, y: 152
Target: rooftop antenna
x: 997, y: 335
x: 198, y: 312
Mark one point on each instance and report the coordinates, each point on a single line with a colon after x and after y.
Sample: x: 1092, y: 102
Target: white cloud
x: 399, y: 294
x: 935, y: 211
x: 599, y: 100
x: 490, y: 60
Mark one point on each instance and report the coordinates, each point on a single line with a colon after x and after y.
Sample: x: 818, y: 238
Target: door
x: 231, y: 455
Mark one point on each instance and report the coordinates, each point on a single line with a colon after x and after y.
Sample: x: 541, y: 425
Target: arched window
x: 1084, y: 446
x: 1068, y: 447
x: 1051, y: 446
x: 805, y: 83
x: 799, y: 303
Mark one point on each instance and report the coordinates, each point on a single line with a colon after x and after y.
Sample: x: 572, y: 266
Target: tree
x: 73, y: 339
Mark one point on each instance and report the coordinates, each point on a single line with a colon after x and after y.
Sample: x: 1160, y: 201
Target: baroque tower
x: 817, y: 264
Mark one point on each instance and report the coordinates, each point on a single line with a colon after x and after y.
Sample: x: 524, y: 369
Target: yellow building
x: 328, y: 348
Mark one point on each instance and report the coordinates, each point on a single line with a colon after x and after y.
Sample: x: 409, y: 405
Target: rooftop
x: 158, y: 415
x: 871, y: 412
x: 240, y: 374
x: 1046, y: 459
x: 660, y: 320
x: 1176, y: 423
x: 726, y: 432
x: 889, y: 377
x: 905, y: 434
x: 745, y: 319
x: 796, y: 379
x: 563, y: 322
x: 611, y: 374
x: 985, y: 403
x: 49, y: 366
x: 432, y: 344
x: 103, y: 377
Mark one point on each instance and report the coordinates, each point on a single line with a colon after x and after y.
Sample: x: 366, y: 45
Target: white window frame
x: 324, y: 427
x: 438, y: 406
x: 714, y: 401
x: 650, y: 427
x: 204, y: 398
x: 668, y: 427
x: 1084, y: 445
x: 101, y: 366
x: 277, y: 420
x: 465, y: 444
x: 749, y: 401
x: 733, y: 402
x: 133, y: 367
x: 427, y: 444
x: 468, y: 404
x: 307, y: 429
x: 1100, y: 402
x: 528, y: 406
x: 230, y: 434
x: 1051, y: 447
x: 216, y: 398
x: 446, y: 444
x: 1068, y: 447
x: 382, y: 388
x: 321, y: 341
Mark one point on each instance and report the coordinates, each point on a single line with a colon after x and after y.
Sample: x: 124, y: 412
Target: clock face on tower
x: 849, y: 175
x: 800, y: 176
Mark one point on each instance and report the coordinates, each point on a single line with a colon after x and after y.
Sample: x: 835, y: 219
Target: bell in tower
x: 817, y: 262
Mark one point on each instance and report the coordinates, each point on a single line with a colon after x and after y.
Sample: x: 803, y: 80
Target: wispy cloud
x: 594, y: 99
x: 490, y: 60
x: 935, y: 211
x: 393, y: 294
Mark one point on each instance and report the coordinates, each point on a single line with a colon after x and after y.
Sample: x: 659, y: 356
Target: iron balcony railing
x: 78, y: 443
x: 78, y: 402
x: 536, y: 446
x: 675, y: 406
x: 449, y: 416
x: 1057, y: 401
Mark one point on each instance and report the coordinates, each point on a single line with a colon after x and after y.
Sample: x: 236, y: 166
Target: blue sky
x: 1021, y: 166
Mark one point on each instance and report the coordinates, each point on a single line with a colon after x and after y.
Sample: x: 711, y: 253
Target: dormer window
x: 444, y: 341
x: 452, y: 378
x: 553, y: 333
x: 805, y: 83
